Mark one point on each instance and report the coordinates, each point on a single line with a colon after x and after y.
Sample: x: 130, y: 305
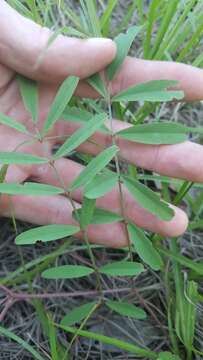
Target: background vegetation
x: 171, y: 298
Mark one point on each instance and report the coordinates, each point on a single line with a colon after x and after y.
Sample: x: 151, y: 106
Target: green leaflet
x: 81, y: 135
x: 94, y: 167
x: 6, y: 120
x: 78, y: 314
x: 61, y: 100
x: 100, y: 216
x: 21, y: 158
x: 74, y: 114
x: 29, y: 189
x: 86, y: 212
x: 155, y: 90
x: 98, y: 84
x: 144, y: 247
x: 156, y: 133
x: 23, y: 343
x: 101, y: 184
x: 46, y: 233
x: 29, y: 93
x: 148, y: 199
x: 122, y: 268
x: 67, y: 272
x: 126, y: 309
x: 123, y: 42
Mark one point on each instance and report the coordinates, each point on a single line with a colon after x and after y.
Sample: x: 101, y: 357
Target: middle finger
x: 69, y: 170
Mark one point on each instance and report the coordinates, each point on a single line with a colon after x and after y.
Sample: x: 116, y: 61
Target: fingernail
x: 103, y: 44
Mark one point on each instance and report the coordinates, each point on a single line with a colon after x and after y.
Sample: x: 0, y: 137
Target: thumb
x: 23, y: 48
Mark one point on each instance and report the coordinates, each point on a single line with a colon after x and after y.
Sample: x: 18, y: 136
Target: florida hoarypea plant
x: 96, y: 180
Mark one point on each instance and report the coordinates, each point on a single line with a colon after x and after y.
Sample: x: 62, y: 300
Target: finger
x: 69, y: 170
x: 6, y: 76
x: 58, y: 210
x: 184, y: 161
x: 23, y: 47
x: 135, y: 71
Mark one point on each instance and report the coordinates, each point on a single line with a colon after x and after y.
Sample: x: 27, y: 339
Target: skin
x: 22, y: 44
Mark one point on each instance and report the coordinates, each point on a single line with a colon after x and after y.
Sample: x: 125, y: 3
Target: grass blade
x: 21, y: 342
x: 93, y: 17
x: 105, y: 19
x: 111, y: 341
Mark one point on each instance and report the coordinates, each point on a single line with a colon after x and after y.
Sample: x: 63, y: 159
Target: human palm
x: 82, y: 58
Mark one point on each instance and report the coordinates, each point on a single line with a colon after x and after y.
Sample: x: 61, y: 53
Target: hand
x: 21, y: 46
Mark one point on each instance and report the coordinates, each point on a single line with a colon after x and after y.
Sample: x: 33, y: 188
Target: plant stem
x: 122, y: 203
x: 84, y: 231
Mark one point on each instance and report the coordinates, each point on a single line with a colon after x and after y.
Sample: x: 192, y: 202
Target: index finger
x: 24, y: 48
